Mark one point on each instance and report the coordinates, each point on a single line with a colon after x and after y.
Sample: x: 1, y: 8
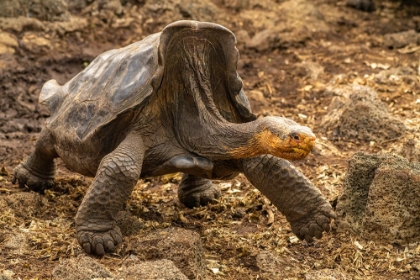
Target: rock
x: 410, y: 148
x: 416, y: 266
x: 362, y: 5
x: 5, y: 49
x: 270, y: 265
x: 304, y: 12
x: 73, y: 25
x: 381, y: 198
x: 257, y: 100
x: 326, y: 274
x: 86, y: 267
x: 3, y: 204
x: 356, y: 113
x: 6, y: 275
x: 302, y: 19
x: 402, y: 39
x: 265, y: 40
x: 7, y: 42
x: 47, y: 10
x: 237, y: 5
x: 178, y: 10
x: 113, y: 6
x: 313, y: 69
x: 16, y: 243
x: 35, y: 43
x: 12, y: 8
x: 75, y: 6
x: 242, y: 37
x: 133, y: 268
x: 21, y: 23
x: 181, y: 246
x: 80, y: 268
x: 393, y: 75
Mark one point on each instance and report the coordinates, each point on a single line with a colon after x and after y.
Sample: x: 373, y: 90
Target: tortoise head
x: 285, y: 138
x: 280, y: 137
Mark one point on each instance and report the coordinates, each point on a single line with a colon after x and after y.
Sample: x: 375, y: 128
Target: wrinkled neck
x: 201, y: 127
x: 195, y: 97
x: 224, y: 140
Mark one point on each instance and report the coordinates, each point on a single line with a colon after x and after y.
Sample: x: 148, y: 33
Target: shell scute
x: 113, y: 83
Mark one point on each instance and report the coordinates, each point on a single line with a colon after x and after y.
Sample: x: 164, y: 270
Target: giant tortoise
x: 172, y: 102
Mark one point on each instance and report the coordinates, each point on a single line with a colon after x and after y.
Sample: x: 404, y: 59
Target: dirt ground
x: 291, y: 54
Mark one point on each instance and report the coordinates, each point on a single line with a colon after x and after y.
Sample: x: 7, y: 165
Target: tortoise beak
x: 310, y: 142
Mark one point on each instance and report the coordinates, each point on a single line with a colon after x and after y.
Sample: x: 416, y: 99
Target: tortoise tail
x: 51, y: 95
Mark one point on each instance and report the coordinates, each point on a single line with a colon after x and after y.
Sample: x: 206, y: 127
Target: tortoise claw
x: 25, y: 178
x: 199, y: 195
x: 100, y: 243
x: 313, y: 225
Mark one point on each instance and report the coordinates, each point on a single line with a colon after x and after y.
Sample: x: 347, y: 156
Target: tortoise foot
x: 314, y: 224
x: 198, y: 193
x: 99, y: 242
x: 30, y: 179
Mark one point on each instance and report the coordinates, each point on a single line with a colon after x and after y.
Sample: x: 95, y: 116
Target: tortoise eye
x: 295, y: 136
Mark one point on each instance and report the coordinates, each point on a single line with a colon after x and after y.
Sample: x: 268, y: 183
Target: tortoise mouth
x: 293, y: 153
x: 294, y: 150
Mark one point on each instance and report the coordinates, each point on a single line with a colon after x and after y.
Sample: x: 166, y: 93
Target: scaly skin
x: 307, y: 211
x: 115, y: 179
x: 194, y: 191
x: 37, y: 172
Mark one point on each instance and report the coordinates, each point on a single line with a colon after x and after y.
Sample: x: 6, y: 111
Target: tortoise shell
x: 123, y: 79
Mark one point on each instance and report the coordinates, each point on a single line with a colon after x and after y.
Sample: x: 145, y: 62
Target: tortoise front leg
x: 115, y: 179
x: 307, y: 211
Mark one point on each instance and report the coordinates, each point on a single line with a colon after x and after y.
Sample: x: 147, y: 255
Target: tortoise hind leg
x: 195, y: 191
x: 37, y: 171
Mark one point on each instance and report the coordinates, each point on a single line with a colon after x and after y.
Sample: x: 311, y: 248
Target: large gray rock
x: 381, y: 198
x: 357, y: 114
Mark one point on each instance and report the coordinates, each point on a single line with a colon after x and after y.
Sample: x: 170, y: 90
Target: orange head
x: 286, y: 139
x: 280, y: 137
